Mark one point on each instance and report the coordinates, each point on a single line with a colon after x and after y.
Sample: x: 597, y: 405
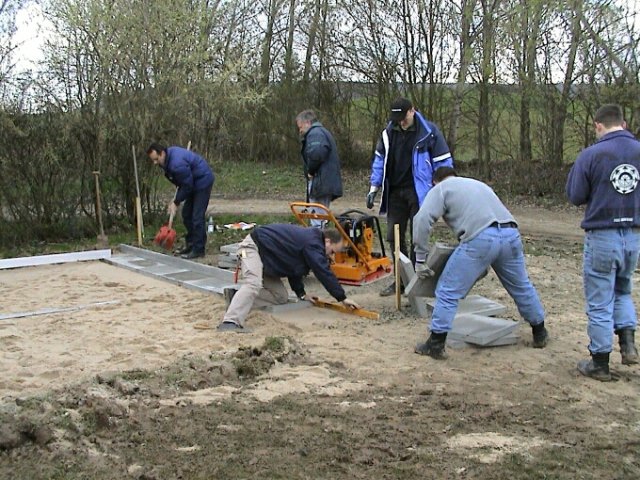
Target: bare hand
x: 351, y: 304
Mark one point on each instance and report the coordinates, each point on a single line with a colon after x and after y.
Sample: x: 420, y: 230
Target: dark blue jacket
x: 188, y: 171
x: 320, y: 159
x: 292, y: 251
x: 605, y: 176
x: 429, y: 153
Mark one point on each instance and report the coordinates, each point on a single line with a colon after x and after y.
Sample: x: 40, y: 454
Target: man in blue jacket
x: 408, y: 152
x: 194, y: 178
x: 320, y: 161
x: 272, y: 252
x: 605, y: 177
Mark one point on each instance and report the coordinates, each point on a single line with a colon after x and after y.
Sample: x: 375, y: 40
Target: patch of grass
x: 133, y: 375
x: 241, y: 179
x: 275, y: 344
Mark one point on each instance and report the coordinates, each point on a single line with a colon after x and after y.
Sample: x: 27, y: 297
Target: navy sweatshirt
x: 292, y: 251
x: 605, y: 177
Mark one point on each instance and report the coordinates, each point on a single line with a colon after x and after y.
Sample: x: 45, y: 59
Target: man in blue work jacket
x: 410, y: 149
x: 194, y: 178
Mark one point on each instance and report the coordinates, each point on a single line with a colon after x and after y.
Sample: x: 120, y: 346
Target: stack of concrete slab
x: 228, y: 257
x: 475, y: 322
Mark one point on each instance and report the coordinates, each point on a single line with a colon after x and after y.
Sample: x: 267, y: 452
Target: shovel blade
x: 165, y: 237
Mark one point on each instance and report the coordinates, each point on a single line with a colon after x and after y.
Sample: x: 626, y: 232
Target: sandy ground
x: 150, y: 325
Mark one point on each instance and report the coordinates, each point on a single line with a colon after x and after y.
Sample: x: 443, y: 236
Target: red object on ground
x: 166, y: 236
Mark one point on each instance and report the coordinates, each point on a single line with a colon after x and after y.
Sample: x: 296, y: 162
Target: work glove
x: 423, y: 271
x: 371, y: 196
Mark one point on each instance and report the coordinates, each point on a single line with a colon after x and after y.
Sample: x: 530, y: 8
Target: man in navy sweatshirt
x: 272, y: 252
x: 194, y: 178
x: 605, y: 177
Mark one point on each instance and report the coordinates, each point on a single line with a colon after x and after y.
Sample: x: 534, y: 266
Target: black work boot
x: 627, y: 346
x: 434, y: 346
x: 596, y: 368
x: 184, y: 250
x: 540, y: 335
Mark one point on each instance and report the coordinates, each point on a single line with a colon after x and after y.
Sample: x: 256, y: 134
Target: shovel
x: 166, y: 236
x: 102, y: 240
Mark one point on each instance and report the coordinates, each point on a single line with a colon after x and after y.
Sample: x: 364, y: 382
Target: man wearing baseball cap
x: 410, y: 149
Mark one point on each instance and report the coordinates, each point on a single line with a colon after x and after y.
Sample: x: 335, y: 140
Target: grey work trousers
x: 257, y: 290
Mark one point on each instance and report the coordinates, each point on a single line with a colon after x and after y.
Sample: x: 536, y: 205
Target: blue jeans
x: 194, y: 210
x: 324, y: 200
x: 610, y: 257
x: 500, y: 248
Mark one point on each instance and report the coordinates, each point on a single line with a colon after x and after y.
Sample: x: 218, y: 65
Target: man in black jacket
x: 320, y: 161
x: 272, y: 252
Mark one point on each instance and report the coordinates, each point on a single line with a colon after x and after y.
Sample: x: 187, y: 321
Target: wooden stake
x: 103, y: 241
x: 396, y: 264
x: 139, y: 223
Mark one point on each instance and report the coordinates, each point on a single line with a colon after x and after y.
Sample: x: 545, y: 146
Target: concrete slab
x: 407, y: 271
x: 127, y: 261
x: 186, y: 276
x: 480, y: 329
x: 178, y: 271
x: 227, y: 263
x: 231, y: 248
x: 420, y: 287
x: 439, y: 253
x: 509, y: 339
x: 159, y: 269
x: 141, y: 262
x: 473, y: 304
x: 209, y: 284
x: 419, y: 305
x: 224, y: 276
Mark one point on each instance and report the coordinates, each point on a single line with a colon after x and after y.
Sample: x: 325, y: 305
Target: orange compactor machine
x: 358, y: 263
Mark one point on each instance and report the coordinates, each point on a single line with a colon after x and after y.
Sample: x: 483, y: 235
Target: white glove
x: 423, y: 271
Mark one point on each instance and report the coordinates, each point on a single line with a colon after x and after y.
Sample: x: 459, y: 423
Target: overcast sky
x: 32, y: 30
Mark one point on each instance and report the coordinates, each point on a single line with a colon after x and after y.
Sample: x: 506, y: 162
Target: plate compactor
x: 358, y: 263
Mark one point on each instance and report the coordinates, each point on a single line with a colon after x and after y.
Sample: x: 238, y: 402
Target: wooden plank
x: 341, y: 308
x: 54, y: 258
x: 49, y: 311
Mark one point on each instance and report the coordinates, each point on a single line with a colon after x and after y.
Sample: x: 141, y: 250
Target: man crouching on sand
x: 272, y: 252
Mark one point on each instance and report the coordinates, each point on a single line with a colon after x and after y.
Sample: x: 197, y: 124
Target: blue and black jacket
x: 429, y: 153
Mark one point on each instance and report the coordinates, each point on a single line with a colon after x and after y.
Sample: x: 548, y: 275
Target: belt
x: 504, y: 225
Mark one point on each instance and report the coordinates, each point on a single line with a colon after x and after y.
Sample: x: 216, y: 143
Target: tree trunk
x: 466, y: 44
x: 559, y: 111
x: 313, y: 31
